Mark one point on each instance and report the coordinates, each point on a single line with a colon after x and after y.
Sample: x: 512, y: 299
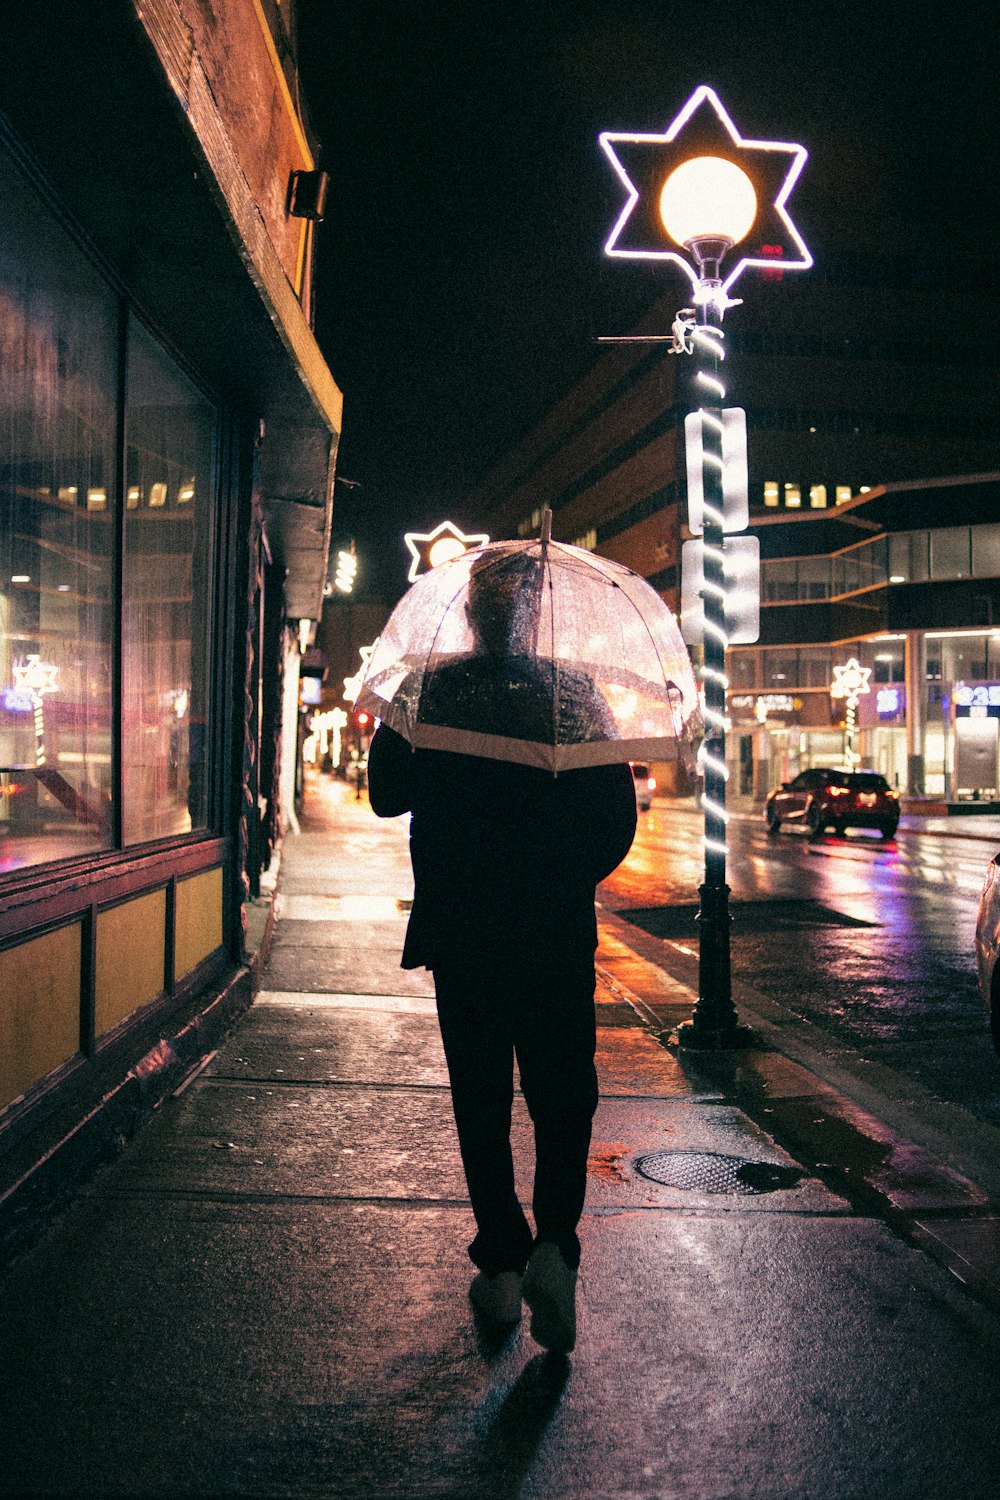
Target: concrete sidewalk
x: 266, y: 1295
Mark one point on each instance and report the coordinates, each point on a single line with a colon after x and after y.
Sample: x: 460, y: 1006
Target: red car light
x: 839, y: 791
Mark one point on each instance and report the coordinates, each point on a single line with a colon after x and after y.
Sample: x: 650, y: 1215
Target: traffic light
x: 363, y: 720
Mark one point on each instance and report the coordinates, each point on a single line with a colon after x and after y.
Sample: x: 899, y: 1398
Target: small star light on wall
x: 701, y: 181
x: 432, y: 548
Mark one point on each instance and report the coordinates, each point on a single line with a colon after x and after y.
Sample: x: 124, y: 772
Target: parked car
x: 827, y: 798
x: 645, y: 786
x: 988, y: 947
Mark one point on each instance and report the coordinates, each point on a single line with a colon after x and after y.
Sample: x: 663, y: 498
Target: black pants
x: 540, y: 1009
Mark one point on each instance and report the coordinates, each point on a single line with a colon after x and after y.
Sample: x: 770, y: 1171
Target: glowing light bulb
x: 708, y: 197
x: 444, y: 550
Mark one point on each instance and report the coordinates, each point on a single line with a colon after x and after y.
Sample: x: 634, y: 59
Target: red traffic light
x: 362, y: 720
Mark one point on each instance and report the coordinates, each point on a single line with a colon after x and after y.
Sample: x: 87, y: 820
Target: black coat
x: 504, y: 856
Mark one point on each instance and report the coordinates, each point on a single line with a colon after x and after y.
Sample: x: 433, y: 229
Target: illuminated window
x: 166, y: 638
x: 793, y: 496
x: 842, y: 493
x: 771, y: 492
x: 58, y: 327
x: 817, y: 496
x: 588, y: 540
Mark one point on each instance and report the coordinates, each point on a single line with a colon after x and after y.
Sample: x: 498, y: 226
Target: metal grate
x: 710, y: 1172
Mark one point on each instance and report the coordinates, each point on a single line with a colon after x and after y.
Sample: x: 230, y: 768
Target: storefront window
x: 61, y: 521
x: 166, y: 635
x: 58, y: 359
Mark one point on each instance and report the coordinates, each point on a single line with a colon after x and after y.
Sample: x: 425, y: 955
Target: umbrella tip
x: 546, y: 531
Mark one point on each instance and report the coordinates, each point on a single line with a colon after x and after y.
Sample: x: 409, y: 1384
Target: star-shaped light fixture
x: 754, y: 178
x: 35, y: 676
x: 430, y: 549
x: 850, y: 681
x: 352, y: 685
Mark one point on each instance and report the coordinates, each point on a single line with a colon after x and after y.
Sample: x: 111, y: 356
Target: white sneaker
x: 499, y: 1296
x: 550, y: 1291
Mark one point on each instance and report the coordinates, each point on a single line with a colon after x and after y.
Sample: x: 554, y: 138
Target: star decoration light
x: 35, y: 676
x: 850, y: 681
x: 352, y: 685
x: 643, y: 163
x: 430, y: 549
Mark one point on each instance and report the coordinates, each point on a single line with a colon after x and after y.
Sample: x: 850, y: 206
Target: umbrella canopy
x: 534, y: 652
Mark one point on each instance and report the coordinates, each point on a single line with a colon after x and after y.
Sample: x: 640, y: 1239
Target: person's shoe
x: 550, y: 1291
x: 497, y: 1297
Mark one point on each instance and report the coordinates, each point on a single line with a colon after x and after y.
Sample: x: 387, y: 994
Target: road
x: 871, y: 941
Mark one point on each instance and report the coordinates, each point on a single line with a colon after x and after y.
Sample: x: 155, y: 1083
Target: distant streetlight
x: 429, y: 549
x: 703, y: 189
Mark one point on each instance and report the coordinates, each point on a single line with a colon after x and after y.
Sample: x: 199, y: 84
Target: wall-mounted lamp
x: 307, y: 194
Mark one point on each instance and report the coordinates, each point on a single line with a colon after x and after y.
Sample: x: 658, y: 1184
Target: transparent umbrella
x: 534, y: 652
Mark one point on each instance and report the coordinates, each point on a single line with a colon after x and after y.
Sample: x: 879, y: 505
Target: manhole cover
x: 710, y: 1172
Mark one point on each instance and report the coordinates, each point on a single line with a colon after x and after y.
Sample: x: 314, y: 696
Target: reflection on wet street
x: 900, y: 989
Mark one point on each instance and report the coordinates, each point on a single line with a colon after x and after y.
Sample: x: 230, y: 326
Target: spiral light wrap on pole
x: 709, y: 344
x: 714, y: 1021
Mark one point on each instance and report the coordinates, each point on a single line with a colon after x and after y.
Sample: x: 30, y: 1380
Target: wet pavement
x: 267, y: 1294
x: 873, y: 942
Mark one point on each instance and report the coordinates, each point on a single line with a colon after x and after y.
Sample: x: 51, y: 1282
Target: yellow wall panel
x: 39, y: 1008
x: 131, y: 941
x: 198, y: 920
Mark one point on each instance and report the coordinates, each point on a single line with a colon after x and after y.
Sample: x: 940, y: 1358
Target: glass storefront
x: 62, y: 390
x: 166, y: 638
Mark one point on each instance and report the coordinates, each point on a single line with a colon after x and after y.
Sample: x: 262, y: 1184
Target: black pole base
x: 694, y: 1038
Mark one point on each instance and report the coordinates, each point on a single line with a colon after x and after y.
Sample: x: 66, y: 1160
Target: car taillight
x: 839, y: 791
x: 892, y: 794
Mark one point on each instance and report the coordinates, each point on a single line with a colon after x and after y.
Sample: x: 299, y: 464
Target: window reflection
x: 166, y: 622
x: 58, y: 357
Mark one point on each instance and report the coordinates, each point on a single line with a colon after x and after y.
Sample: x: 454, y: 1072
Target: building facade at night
x: 168, y: 434
x: 861, y: 394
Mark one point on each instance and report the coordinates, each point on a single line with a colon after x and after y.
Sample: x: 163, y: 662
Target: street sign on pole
x: 735, y: 478
x: 741, y: 570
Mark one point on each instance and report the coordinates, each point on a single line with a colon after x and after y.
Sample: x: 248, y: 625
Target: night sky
x: 461, y: 279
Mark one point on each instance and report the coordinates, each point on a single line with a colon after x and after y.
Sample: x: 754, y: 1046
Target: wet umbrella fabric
x: 537, y: 653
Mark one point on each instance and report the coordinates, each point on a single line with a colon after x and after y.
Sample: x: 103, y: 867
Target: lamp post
x: 722, y: 192
x: 708, y: 205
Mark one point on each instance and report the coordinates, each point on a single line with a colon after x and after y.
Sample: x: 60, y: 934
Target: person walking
x: 506, y: 860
